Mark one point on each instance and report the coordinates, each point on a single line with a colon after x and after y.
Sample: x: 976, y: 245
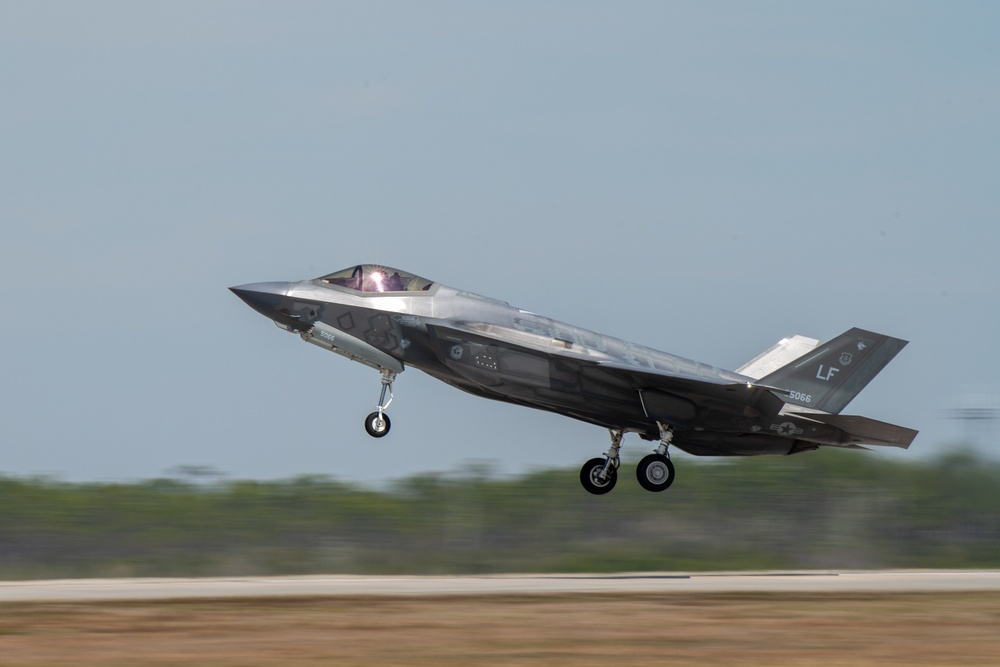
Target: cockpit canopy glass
x: 375, y: 278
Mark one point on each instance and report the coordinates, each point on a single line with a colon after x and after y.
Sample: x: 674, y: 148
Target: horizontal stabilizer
x: 862, y: 430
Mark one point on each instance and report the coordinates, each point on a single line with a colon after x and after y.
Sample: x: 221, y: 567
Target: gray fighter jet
x: 785, y: 401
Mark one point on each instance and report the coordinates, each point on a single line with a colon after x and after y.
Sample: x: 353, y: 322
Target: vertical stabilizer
x: 781, y: 353
x: 831, y: 375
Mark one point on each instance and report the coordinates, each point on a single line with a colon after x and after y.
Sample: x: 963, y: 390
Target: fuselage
x: 492, y: 349
x: 391, y: 320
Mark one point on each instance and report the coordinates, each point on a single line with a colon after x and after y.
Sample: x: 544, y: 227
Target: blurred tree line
x: 831, y: 509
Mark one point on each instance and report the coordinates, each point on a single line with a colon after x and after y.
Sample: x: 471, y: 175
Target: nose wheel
x: 377, y: 424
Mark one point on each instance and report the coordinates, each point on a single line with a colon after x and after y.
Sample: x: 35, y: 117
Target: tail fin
x: 783, y: 352
x: 830, y: 376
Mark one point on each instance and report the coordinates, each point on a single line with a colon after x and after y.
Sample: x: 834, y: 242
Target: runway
x: 83, y: 590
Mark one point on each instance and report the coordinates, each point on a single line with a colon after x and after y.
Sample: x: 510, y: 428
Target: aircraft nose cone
x: 265, y: 298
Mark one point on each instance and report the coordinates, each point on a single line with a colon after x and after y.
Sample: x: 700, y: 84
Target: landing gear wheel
x: 590, y: 477
x: 655, y: 472
x: 377, y: 425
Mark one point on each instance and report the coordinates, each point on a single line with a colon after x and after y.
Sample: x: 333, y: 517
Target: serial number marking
x: 799, y: 396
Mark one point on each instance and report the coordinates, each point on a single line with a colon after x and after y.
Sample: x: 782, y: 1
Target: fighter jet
x: 786, y: 400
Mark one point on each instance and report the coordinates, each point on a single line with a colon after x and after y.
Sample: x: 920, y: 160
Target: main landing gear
x: 655, y: 471
x: 377, y: 423
x: 599, y: 475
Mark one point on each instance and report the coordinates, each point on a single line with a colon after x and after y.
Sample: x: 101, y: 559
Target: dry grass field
x: 703, y: 629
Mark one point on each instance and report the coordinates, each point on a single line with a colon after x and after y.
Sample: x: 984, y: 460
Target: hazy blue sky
x: 703, y: 178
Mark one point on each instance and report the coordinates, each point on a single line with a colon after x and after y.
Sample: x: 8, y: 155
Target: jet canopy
x: 376, y: 278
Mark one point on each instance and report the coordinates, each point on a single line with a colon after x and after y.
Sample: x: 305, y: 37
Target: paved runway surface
x: 651, y: 582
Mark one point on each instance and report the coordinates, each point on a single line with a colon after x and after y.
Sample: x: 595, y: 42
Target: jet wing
x: 660, y: 390
x: 636, y: 375
x: 643, y: 376
x: 486, y: 356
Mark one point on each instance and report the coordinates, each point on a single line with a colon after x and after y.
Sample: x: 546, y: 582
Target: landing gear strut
x: 377, y: 423
x: 655, y: 471
x: 599, y: 475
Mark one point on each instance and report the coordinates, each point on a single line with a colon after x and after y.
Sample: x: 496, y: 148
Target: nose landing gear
x: 377, y: 424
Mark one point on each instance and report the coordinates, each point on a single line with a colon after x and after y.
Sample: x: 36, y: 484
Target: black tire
x: 655, y: 473
x: 590, y: 480
x: 377, y: 427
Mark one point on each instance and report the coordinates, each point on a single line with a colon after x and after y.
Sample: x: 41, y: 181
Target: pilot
x: 395, y: 283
